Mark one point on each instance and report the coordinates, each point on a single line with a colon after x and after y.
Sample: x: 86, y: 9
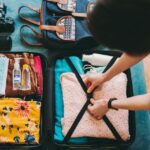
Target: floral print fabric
x: 19, y: 121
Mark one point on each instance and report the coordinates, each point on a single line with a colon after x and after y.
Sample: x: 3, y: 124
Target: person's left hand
x: 98, y: 108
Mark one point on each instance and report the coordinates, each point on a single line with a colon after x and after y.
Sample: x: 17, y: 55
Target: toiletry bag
x: 22, y: 113
x: 59, y: 63
x: 63, y: 27
x: 27, y: 59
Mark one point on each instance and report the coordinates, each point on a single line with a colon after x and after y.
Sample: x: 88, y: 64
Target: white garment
x: 97, y: 59
x: 4, y: 62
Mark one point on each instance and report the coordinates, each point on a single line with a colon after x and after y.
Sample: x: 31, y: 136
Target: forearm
x: 124, y: 62
x: 141, y: 102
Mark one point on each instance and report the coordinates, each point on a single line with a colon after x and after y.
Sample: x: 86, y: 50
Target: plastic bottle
x: 17, y: 75
x: 26, y: 78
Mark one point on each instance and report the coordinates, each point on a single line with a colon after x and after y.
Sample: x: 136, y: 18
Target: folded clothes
x: 4, y: 61
x: 74, y: 98
x: 38, y: 71
x: 19, y: 121
x: 60, y: 67
x: 97, y: 59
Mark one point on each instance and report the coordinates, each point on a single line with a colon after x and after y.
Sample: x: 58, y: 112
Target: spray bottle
x: 17, y: 75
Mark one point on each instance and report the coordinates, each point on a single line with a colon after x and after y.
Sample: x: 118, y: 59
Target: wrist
x: 104, y: 77
x: 110, y: 105
x: 104, y: 103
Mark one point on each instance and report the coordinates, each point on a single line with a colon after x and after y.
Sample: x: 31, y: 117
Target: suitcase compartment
x: 95, y: 142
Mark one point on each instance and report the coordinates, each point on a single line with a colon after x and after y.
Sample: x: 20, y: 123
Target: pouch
x: 25, y: 59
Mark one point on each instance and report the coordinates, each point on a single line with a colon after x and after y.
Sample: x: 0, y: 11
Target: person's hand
x: 98, y: 108
x: 94, y: 80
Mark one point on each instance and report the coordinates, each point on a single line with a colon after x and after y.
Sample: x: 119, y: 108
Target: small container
x: 17, y: 75
x: 26, y: 78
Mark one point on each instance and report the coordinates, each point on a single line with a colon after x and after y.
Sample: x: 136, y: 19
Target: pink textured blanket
x: 74, y: 98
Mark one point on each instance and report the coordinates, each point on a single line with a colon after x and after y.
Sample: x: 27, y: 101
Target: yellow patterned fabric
x: 19, y: 121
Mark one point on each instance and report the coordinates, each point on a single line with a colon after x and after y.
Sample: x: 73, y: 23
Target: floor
x: 147, y: 72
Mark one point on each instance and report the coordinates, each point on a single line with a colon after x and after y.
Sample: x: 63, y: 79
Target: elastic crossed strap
x: 84, y: 108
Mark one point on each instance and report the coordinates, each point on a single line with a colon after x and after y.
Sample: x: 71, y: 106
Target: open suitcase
x: 22, y: 112
x: 64, y: 142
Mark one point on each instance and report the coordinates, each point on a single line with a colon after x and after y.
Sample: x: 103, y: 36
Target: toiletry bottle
x: 26, y: 78
x: 17, y: 75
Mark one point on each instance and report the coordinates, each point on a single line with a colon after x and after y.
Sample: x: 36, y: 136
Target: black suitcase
x: 95, y: 142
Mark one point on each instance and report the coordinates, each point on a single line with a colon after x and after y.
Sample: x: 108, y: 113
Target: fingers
x: 99, y: 118
x: 96, y: 109
x: 86, y: 81
x: 92, y: 101
x: 92, y: 87
x: 90, y: 109
x: 90, y: 84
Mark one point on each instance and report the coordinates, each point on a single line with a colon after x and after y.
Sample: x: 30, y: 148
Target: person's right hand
x: 94, y: 80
